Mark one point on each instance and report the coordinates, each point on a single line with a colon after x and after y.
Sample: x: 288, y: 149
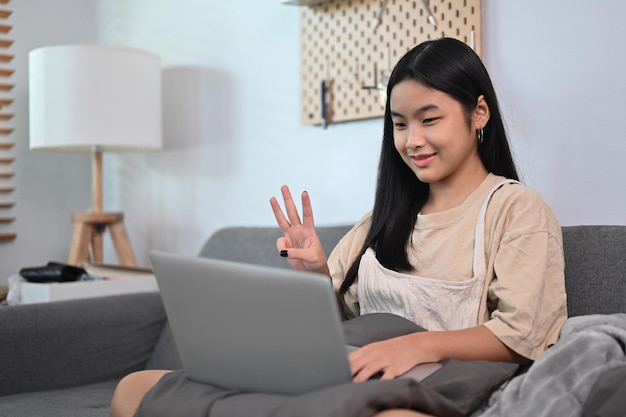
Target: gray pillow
x: 456, y: 389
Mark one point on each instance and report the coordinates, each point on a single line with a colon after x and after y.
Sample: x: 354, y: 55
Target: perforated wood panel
x: 340, y: 42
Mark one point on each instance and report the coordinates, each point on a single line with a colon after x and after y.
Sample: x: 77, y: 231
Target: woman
x: 453, y: 243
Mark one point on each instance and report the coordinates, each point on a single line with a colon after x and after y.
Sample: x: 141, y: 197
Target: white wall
x: 559, y: 69
x: 48, y: 186
x: 232, y: 126
x: 233, y: 135
x: 233, y: 131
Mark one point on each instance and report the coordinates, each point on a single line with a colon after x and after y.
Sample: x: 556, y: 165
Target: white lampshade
x: 87, y: 96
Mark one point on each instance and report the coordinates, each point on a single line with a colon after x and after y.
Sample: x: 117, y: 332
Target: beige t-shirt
x: 524, y: 301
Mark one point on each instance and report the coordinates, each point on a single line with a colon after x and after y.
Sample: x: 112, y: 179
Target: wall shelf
x: 7, y: 236
x: 304, y: 2
x: 349, y: 47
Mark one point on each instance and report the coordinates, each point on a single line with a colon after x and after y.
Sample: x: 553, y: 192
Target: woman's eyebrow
x: 417, y: 112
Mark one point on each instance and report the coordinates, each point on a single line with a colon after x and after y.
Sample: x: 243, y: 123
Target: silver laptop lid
x: 252, y: 328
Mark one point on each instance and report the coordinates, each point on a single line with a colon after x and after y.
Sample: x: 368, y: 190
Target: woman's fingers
x: 363, y: 371
x: 290, y: 206
x: 293, y: 217
x: 307, y: 211
x: 378, y: 370
x: 387, y: 359
x: 362, y: 365
x: 300, y: 244
x: 278, y: 214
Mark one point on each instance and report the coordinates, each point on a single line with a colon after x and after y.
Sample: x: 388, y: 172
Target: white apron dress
x: 434, y: 304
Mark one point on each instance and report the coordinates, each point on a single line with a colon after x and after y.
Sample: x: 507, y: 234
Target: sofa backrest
x: 595, y: 260
x: 595, y: 269
x: 257, y: 245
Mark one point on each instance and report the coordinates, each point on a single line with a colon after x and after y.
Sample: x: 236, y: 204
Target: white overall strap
x: 479, y: 231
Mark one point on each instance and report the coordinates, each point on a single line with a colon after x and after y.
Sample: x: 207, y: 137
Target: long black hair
x: 450, y: 66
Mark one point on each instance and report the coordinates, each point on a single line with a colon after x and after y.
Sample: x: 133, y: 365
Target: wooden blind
x: 7, y: 159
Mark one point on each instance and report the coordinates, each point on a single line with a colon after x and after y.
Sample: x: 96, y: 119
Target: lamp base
x: 88, y: 231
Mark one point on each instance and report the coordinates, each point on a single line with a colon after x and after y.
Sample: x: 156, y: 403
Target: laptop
x: 255, y: 328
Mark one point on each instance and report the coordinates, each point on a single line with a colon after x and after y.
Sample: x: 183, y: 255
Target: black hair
x: 450, y: 66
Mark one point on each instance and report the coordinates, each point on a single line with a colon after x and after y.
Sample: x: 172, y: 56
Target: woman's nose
x: 415, y: 139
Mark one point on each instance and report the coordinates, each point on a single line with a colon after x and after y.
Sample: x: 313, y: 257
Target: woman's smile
x: 423, y: 160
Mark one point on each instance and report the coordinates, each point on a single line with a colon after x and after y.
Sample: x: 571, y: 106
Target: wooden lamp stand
x: 89, y: 228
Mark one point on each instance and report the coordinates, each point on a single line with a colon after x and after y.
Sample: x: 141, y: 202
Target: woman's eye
x: 398, y: 123
x: 430, y: 120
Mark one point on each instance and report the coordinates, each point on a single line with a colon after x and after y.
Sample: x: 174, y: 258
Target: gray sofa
x: 64, y: 359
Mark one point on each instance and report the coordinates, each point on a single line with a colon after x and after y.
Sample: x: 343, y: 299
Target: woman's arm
x: 396, y: 356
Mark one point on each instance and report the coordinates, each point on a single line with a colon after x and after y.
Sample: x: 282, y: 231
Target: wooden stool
x: 88, y: 231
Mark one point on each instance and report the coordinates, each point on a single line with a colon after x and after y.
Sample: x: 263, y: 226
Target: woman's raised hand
x: 300, y: 243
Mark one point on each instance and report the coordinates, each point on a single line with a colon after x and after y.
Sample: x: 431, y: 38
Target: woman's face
x: 433, y: 134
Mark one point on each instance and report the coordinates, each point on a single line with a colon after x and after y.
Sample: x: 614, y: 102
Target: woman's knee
x: 131, y: 390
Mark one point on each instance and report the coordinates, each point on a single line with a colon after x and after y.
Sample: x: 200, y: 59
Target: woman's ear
x: 480, y: 115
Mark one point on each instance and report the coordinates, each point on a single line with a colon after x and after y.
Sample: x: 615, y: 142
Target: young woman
x: 454, y: 242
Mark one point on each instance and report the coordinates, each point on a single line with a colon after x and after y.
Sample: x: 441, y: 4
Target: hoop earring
x: 481, y: 135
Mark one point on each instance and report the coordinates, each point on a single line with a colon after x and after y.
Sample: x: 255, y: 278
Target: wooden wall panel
x: 342, y: 43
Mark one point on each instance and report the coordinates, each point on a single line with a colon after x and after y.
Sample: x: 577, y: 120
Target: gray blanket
x: 558, y: 383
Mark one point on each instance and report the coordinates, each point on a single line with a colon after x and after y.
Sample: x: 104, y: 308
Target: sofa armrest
x: 69, y: 343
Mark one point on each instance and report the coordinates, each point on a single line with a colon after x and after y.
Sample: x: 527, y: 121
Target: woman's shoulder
x: 349, y: 247
x: 523, y: 206
x: 361, y: 227
x: 516, y: 192
x: 353, y: 240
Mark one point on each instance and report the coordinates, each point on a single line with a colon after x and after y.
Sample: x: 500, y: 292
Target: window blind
x: 7, y: 158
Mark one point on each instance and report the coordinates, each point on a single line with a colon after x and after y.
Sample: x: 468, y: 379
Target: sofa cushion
x: 91, y: 400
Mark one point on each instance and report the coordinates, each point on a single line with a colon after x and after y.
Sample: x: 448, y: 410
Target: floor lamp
x: 95, y: 98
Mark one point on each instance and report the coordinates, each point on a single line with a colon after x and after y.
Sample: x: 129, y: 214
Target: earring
x: 481, y: 135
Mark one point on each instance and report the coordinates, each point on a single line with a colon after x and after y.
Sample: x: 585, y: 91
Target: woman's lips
x: 422, y: 161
